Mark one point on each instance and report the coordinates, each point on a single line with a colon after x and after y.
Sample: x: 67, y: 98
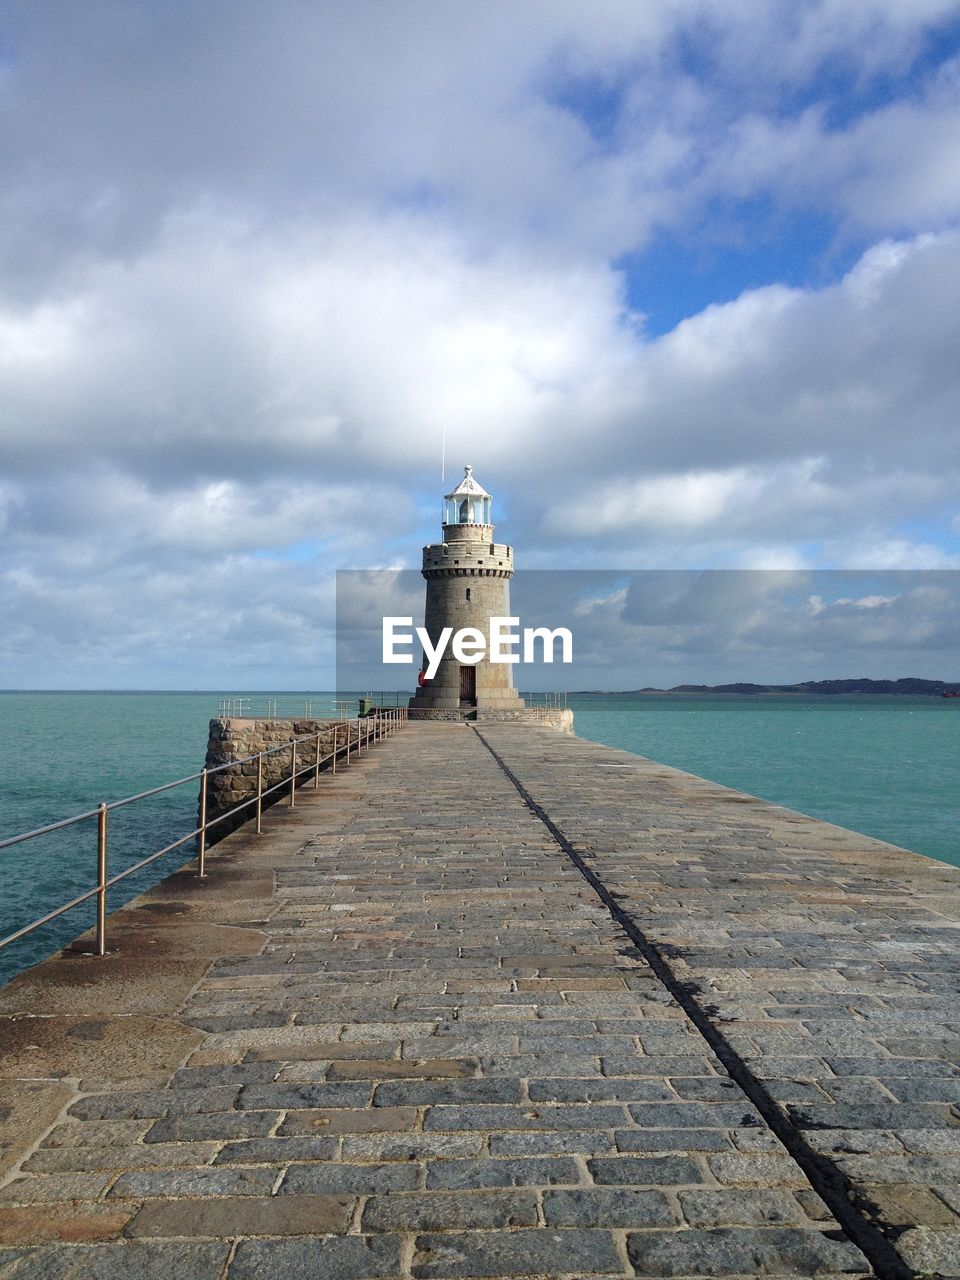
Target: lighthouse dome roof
x: 468, y: 487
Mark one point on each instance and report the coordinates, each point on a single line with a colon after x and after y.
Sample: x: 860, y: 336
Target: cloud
x: 250, y: 265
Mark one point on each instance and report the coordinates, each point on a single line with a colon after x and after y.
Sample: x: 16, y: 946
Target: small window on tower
x: 468, y: 593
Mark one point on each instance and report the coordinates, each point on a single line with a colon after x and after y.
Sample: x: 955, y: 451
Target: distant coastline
x: 909, y: 686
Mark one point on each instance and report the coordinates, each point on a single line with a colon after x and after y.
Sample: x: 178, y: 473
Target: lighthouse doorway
x: 468, y: 686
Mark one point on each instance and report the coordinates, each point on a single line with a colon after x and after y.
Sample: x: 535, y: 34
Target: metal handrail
x: 290, y: 707
x: 360, y: 733
x: 551, y: 699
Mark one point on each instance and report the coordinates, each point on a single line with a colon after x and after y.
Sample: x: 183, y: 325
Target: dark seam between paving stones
x: 851, y: 1210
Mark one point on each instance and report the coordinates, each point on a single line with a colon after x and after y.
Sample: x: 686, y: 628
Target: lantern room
x: 469, y: 503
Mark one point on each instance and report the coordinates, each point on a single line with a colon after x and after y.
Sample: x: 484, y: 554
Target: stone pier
x: 499, y: 1002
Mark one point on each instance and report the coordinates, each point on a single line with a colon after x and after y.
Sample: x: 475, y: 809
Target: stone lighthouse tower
x: 468, y: 582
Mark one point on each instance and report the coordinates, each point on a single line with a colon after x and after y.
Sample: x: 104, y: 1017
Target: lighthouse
x: 468, y: 583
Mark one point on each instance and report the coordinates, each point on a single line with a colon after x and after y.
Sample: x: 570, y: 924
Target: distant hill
x: 908, y: 685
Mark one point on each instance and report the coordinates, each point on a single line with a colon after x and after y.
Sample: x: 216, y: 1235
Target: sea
x: 885, y: 766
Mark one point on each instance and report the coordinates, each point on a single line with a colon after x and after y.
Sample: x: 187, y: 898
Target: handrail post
x: 333, y: 758
x: 347, y: 724
x: 260, y: 793
x: 316, y: 772
x: 202, y: 855
x: 101, y: 880
x: 293, y: 774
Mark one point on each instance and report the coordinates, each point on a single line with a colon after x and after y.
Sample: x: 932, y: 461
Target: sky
x: 680, y: 279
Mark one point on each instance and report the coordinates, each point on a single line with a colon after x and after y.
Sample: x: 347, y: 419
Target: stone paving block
x: 152, y: 1104
x: 467, y: 1174
x: 600, y: 1089
x: 607, y: 1207
x: 220, y: 1181
x: 893, y: 1067
x: 744, y: 1252
x: 429, y: 1069
x: 914, y: 1170
x: 446, y: 1211
x: 313, y: 1072
x: 336, y: 1258
x: 275, y: 1037
x: 905, y: 1206
x: 658, y: 1065
x: 52, y: 1188
x: 739, y: 1208
x: 872, y: 1116
x: 534, y: 1116
x: 282, y: 1097
x: 277, y: 1151
x: 461, y: 1044
x: 591, y: 1142
x: 931, y: 1141
x: 931, y: 1252
x: 506, y: 1253
x: 674, y: 1139
x: 756, y: 1170
x: 411, y: 1146
x: 360, y: 1179
x: 922, y: 1089
x: 73, y: 1222
x: 536, y: 1065
x: 755, y: 1139
x: 350, y: 1120
x: 798, y: 1091
x: 223, y: 1076
x: 323, y: 1051
x: 771, y: 1067
x: 221, y: 1124
x: 669, y: 1170
x: 857, y: 1089
x: 265, y: 1216
x: 831, y: 1142
x: 374, y: 1031
x: 96, y: 1133
x: 160, y: 1155
x: 695, y: 1115
x: 118, y: 1261
x: 422, y: 1093
x: 659, y: 1039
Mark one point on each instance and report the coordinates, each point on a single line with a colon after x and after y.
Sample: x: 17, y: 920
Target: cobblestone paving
x: 448, y: 1059
x: 827, y: 961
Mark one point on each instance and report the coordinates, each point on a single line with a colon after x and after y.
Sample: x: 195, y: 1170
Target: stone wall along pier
x: 234, y: 739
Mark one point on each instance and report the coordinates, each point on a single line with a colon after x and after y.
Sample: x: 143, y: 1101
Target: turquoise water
x: 887, y: 767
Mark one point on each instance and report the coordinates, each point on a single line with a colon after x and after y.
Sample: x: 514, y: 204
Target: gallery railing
x: 348, y: 736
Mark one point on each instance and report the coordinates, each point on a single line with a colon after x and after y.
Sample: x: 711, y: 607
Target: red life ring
x: 421, y: 679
